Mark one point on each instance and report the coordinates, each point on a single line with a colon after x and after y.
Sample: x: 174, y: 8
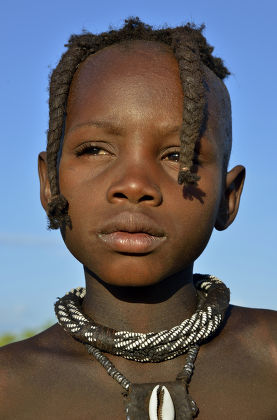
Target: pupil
x: 174, y: 156
x: 94, y: 150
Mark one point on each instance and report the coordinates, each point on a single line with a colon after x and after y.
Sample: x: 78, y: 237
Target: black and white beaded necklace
x: 167, y: 401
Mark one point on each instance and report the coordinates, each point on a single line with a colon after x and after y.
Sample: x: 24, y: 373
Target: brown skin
x: 51, y: 375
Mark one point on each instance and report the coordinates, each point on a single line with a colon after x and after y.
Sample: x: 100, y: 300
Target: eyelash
x: 88, y: 149
x: 176, y: 152
x: 173, y: 152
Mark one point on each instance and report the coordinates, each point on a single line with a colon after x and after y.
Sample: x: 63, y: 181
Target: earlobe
x: 45, y: 192
x: 230, y: 198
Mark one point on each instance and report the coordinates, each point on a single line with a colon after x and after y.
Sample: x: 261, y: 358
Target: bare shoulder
x: 18, y: 363
x: 38, y: 375
x: 37, y: 353
x: 16, y: 357
x: 255, y: 323
x: 29, y: 369
x: 241, y: 364
x: 254, y: 331
x: 15, y: 374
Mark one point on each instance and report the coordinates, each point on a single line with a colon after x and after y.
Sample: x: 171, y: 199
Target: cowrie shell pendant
x: 161, y: 406
x: 152, y: 401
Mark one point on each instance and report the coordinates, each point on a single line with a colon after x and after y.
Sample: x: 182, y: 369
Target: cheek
x: 195, y: 218
x: 81, y: 186
x: 72, y: 178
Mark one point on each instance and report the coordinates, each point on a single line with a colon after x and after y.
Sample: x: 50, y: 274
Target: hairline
x: 161, y: 47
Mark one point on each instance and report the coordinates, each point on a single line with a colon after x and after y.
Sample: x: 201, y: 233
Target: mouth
x: 132, y: 233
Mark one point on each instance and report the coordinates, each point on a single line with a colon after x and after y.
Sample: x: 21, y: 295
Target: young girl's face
x: 132, y: 224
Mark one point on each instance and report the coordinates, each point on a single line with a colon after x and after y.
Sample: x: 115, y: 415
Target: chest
x: 87, y: 394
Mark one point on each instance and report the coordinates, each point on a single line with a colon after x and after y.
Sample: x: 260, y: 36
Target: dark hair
x: 191, y: 51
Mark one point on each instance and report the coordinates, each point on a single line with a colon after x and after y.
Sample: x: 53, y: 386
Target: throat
x: 141, y: 309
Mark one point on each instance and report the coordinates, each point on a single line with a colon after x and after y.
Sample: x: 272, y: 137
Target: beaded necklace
x: 153, y: 401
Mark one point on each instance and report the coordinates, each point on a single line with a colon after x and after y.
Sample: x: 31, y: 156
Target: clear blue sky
x: 35, y: 265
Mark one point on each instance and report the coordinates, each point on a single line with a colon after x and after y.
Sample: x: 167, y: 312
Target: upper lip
x: 132, y: 223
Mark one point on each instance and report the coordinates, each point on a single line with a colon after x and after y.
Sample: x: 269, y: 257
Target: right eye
x: 89, y: 149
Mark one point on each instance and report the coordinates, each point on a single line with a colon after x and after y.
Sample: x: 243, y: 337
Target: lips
x: 132, y: 233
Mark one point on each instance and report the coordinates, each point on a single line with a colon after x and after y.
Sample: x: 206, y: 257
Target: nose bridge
x: 135, y: 180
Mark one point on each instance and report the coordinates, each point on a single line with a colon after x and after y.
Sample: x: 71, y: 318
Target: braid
x: 192, y: 78
x: 59, y: 89
x: 191, y: 51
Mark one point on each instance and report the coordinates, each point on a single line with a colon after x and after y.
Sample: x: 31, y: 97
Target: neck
x: 141, y: 309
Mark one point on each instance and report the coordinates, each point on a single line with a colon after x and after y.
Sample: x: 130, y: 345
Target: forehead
x: 130, y: 58
x: 144, y: 74
x: 141, y: 73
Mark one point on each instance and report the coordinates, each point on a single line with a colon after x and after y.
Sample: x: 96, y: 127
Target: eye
x: 173, y: 156
x: 90, y: 149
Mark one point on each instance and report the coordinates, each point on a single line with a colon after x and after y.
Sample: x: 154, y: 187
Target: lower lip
x: 132, y: 243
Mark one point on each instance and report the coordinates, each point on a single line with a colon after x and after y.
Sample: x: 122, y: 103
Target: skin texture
x: 135, y: 170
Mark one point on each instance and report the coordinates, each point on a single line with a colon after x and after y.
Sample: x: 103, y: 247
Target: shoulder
x: 254, y: 333
x: 18, y: 360
x: 36, y: 353
x: 35, y: 376
x: 15, y: 357
x: 254, y: 323
x: 247, y: 344
x: 27, y: 367
x: 241, y: 362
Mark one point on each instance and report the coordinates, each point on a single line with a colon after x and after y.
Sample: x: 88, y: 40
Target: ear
x: 230, y: 198
x: 45, y: 192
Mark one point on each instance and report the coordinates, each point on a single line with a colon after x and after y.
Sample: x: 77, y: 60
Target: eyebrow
x: 109, y: 126
x: 117, y: 129
x: 168, y: 130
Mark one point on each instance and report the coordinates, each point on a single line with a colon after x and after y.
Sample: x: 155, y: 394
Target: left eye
x: 173, y: 156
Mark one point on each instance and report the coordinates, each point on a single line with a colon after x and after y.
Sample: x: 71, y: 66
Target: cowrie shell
x: 161, y: 405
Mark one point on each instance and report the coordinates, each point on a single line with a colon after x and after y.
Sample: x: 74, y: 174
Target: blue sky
x: 35, y: 265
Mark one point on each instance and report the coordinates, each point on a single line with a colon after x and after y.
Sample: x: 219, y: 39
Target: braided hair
x: 191, y: 51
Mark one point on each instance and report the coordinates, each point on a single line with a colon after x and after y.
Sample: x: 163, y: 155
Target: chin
x: 130, y: 279
x: 130, y: 274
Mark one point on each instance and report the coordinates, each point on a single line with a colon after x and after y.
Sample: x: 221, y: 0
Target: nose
x: 136, y: 187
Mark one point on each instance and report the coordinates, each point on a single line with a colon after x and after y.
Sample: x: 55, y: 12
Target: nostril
x: 120, y: 195
x: 146, y: 198
x: 134, y: 193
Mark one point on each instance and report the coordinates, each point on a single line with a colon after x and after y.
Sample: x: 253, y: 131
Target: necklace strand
x: 213, y: 301
x: 184, y: 375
